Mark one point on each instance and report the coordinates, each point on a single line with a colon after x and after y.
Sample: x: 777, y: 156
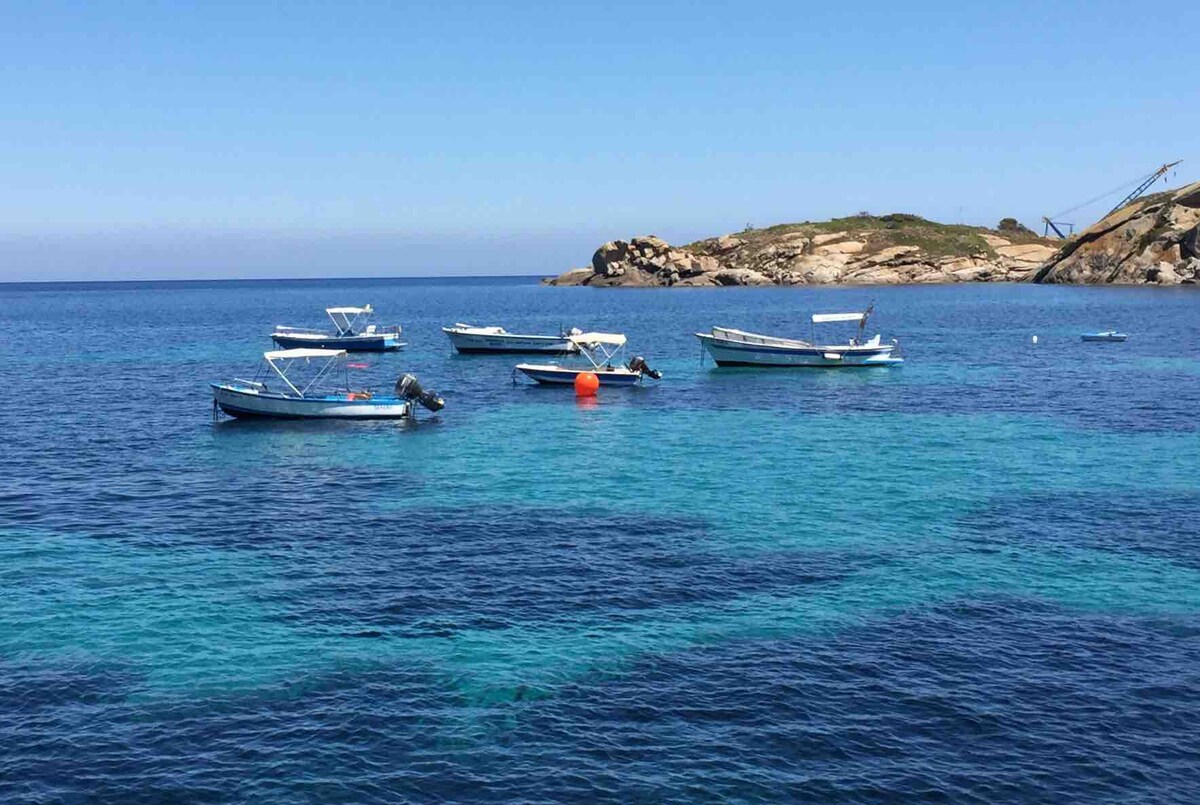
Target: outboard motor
x: 408, y: 388
x: 638, y: 364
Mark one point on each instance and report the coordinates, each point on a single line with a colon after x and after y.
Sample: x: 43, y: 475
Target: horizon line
x: 277, y: 279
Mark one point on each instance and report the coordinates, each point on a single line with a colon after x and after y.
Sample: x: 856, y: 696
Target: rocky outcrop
x: 862, y: 250
x: 649, y: 261
x: 1155, y: 241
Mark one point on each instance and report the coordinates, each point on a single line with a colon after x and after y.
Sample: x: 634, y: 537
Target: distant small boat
x: 730, y: 347
x: 352, y: 333
x: 603, y: 351
x: 1107, y: 335
x: 469, y: 339
x: 275, y: 392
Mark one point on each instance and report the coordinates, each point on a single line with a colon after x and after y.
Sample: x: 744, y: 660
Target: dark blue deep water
x: 975, y: 578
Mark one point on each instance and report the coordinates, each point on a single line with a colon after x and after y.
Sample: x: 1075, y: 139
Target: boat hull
x: 382, y: 342
x: 508, y: 343
x: 550, y: 374
x: 250, y: 403
x: 1115, y: 338
x: 734, y: 353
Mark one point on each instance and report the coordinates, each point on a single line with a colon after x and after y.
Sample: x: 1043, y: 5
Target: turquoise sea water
x: 974, y: 578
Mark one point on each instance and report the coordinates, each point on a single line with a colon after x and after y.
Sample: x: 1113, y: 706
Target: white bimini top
x: 584, y: 339
x: 288, y: 354
x: 818, y: 318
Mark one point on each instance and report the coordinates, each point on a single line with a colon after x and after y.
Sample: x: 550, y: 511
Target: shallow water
x: 974, y: 578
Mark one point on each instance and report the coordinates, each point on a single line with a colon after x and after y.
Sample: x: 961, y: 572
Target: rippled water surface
x: 972, y: 579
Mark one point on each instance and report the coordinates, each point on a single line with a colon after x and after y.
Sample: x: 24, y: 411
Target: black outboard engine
x: 638, y: 364
x: 408, y: 388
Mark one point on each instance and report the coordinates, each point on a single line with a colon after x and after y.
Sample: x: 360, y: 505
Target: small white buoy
x: 1035, y: 339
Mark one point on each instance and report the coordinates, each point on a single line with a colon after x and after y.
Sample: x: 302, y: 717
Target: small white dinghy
x: 603, y: 353
x: 276, y: 392
x: 730, y: 347
x: 468, y: 339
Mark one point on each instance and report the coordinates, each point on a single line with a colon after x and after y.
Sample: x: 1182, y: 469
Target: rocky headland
x: 1153, y: 240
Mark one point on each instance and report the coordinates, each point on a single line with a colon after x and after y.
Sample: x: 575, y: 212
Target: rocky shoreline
x: 1155, y: 240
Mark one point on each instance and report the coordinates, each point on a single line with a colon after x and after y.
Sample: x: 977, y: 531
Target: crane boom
x: 1144, y: 186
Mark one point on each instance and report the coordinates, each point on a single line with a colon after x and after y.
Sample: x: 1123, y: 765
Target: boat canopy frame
x: 287, y: 359
x: 607, y: 345
x: 825, y: 318
x: 345, y: 324
x: 344, y: 318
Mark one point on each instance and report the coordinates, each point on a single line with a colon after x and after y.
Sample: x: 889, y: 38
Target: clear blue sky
x: 294, y: 139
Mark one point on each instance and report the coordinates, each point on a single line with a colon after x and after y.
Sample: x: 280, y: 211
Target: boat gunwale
x: 326, y: 399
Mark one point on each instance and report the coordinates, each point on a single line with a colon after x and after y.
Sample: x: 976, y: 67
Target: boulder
x: 972, y: 274
x: 612, y: 252
x: 629, y: 278
x: 1190, y: 271
x: 650, y: 244
x: 889, y: 254
x: 995, y: 240
x: 685, y: 266
x: 1163, y: 274
x: 1188, y: 196
x: 878, y: 275
x: 841, y: 247
x: 829, y: 237
x: 949, y: 265
x: 1183, y: 218
x: 576, y: 276
x: 822, y: 273
x: 1026, y: 252
x: 742, y: 276
x: 699, y: 281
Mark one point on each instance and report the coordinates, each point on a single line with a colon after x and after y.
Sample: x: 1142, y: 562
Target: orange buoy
x: 586, y: 384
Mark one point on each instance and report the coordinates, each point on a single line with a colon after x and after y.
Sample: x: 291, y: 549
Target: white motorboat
x: 603, y: 352
x: 275, y: 392
x: 469, y: 339
x: 730, y: 347
x: 352, y: 332
x: 1107, y: 335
